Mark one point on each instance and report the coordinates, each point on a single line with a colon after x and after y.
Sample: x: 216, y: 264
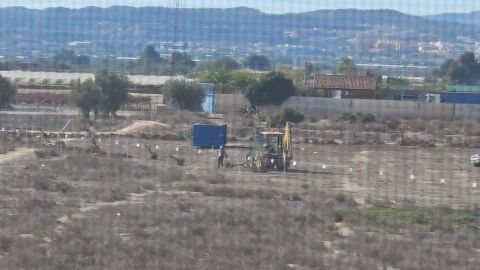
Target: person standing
x: 222, y: 154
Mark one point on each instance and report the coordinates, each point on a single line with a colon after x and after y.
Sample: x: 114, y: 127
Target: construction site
x: 164, y: 160
x: 286, y: 198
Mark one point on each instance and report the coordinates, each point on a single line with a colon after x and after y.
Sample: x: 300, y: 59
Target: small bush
x: 46, y: 153
x: 393, y: 124
x: 173, y: 174
x: 64, y: 187
x: 198, y: 231
x: 217, y: 179
x: 346, y: 117
x: 184, y: 206
x: 36, y: 202
x: 41, y: 184
x: 343, y: 199
x: 148, y: 185
x: 5, y: 243
x: 287, y: 115
x: 110, y: 195
x: 192, y: 187
x: 228, y: 192
x: 355, y: 118
x: 366, y: 118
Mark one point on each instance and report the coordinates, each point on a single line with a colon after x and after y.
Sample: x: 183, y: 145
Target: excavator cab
x: 270, y: 150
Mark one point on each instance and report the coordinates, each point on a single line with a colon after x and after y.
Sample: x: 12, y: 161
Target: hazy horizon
x: 413, y: 7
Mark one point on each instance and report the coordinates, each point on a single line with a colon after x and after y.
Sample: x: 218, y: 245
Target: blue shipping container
x: 462, y: 98
x: 209, y: 136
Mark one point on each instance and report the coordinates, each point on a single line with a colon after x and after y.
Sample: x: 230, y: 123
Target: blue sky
x: 417, y: 7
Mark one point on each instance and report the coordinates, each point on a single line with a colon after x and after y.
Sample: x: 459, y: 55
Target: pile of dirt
x: 143, y: 126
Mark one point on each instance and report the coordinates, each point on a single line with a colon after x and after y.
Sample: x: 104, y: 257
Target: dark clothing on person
x: 222, y: 154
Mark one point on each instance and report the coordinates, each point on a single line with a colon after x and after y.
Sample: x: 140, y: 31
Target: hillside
x: 472, y: 18
x: 121, y: 30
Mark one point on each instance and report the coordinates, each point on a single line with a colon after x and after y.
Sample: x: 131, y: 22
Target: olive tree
x: 114, y: 89
x: 184, y: 95
x: 87, y: 96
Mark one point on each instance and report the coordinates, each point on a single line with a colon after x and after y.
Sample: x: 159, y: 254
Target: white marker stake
x: 324, y: 166
x: 303, y: 149
x: 381, y: 173
x: 294, y: 163
x: 43, y: 165
x: 351, y: 169
x: 199, y: 152
x: 315, y: 152
x: 138, y: 145
x: 157, y: 147
x: 118, y: 214
x: 442, y: 181
x: 116, y: 142
x: 474, y: 185
x: 3, y: 129
x: 177, y: 149
x: 412, y: 177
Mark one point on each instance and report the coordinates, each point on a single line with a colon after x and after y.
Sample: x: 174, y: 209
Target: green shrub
x: 5, y: 243
x: 346, y: 117
x: 287, y: 115
x: 355, y: 118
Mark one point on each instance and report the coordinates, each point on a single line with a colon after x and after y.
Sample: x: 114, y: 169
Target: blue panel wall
x: 462, y: 98
x: 209, y: 103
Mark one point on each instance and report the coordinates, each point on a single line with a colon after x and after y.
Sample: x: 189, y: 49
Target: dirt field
x: 340, y: 207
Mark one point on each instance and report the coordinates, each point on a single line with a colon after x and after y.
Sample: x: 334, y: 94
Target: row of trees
x: 151, y: 62
x: 109, y: 91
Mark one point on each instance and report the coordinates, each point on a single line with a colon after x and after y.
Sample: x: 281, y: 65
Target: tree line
x: 149, y: 62
x: 463, y: 71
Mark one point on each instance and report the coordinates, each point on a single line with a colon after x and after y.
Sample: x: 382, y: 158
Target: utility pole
x: 179, y: 35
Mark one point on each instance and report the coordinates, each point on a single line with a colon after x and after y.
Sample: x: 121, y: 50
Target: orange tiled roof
x: 343, y: 82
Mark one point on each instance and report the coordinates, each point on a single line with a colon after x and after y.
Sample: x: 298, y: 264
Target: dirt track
x: 15, y: 155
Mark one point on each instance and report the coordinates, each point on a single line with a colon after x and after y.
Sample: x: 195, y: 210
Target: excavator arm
x: 287, y: 140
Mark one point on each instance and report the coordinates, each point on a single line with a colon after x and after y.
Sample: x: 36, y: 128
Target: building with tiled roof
x: 342, y: 86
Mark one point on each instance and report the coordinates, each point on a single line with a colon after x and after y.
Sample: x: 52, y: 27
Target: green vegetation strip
x: 433, y: 219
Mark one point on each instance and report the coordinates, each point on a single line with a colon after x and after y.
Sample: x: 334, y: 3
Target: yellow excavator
x: 271, y: 150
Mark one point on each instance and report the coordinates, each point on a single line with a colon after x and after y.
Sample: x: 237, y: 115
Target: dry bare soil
x: 340, y: 207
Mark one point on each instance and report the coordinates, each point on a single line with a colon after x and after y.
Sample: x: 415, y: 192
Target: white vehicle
x: 475, y: 160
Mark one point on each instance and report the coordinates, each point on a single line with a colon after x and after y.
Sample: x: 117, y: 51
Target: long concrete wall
x: 382, y: 109
x: 226, y: 103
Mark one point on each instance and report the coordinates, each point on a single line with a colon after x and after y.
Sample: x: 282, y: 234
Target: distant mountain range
x: 122, y: 30
x: 472, y: 18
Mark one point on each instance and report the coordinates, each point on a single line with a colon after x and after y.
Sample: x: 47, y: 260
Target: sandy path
x: 14, y: 155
